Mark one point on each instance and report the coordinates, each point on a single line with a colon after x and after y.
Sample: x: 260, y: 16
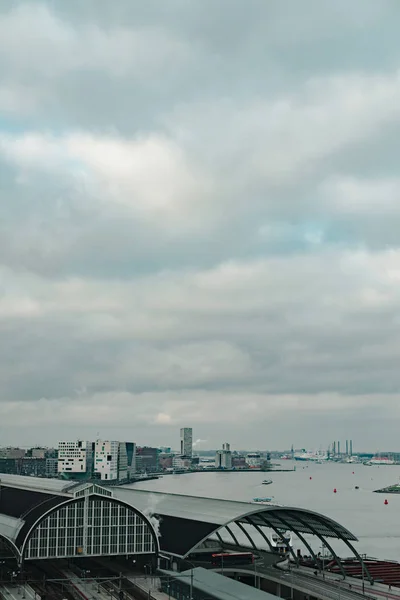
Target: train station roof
x: 186, y: 521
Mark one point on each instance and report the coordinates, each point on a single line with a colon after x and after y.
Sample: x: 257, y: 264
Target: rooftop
x: 185, y: 522
x: 222, y: 512
x: 40, y: 484
x: 218, y: 586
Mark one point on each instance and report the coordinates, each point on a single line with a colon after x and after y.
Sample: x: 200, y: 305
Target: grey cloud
x: 199, y: 219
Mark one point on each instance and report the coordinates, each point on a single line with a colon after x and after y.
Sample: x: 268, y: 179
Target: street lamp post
x: 323, y: 561
x: 362, y: 572
x: 191, y: 579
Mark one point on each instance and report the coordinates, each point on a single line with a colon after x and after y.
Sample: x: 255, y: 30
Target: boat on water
x: 381, y: 460
x: 267, y: 482
x: 263, y: 500
x: 304, y: 455
x: 281, y: 541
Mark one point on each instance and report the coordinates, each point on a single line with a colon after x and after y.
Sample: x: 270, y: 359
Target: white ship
x: 281, y: 541
x: 310, y: 456
x: 381, y: 460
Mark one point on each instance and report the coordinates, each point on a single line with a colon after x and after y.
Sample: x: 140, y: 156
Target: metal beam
x: 323, y: 540
x: 247, y: 535
x: 260, y: 531
x: 219, y: 537
x: 363, y: 565
x: 288, y: 546
x: 302, y: 539
x: 364, y: 568
x: 232, y: 535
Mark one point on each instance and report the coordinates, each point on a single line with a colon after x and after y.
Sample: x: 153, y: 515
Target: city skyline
x: 199, y: 216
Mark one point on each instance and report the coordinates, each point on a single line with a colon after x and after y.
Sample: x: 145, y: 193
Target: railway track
x: 45, y: 572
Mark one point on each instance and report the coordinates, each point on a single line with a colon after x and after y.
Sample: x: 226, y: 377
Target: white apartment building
x: 186, y: 441
x: 74, y: 458
x: 106, y: 459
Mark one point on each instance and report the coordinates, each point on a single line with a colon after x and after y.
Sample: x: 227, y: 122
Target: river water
x: 376, y: 526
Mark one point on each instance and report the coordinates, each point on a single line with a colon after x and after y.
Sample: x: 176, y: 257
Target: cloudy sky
x: 200, y: 221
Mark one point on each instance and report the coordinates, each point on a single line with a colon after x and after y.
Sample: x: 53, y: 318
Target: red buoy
x: 353, y: 472
x: 334, y: 491
x: 386, y: 501
x: 310, y: 477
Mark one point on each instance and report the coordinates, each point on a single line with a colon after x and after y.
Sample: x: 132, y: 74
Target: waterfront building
x: 131, y: 456
x: 186, y: 441
x: 165, y: 461
x: 253, y: 460
x: 75, y: 459
x: 181, y: 463
x: 239, y: 461
x: 147, y: 459
x: 106, y: 459
x: 51, y: 467
x: 223, y: 458
x: 110, y: 460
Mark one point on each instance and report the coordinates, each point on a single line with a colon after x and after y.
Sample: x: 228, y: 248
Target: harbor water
x: 376, y: 525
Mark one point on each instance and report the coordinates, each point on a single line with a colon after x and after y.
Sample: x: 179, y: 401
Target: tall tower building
x: 223, y: 458
x: 186, y: 441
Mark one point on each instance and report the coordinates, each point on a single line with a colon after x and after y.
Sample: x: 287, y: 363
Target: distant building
x: 131, y: 456
x: 147, y: 459
x: 165, y: 461
x: 28, y: 466
x: 10, y: 452
x: 181, y: 462
x: 239, y: 461
x: 32, y: 467
x: 123, y: 470
x: 51, y: 467
x: 106, y: 460
x: 186, y: 441
x: 9, y: 466
x: 223, y: 458
x: 38, y: 452
x: 75, y: 459
x: 253, y: 460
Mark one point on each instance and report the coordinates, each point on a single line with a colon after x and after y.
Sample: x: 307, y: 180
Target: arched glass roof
x: 186, y: 521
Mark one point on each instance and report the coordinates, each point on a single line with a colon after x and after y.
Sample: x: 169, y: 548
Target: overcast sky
x: 200, y: 221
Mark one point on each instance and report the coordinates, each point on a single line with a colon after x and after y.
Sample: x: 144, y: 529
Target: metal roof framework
x: 24, y: 505
x: 213, y: 516
x: 186, y: 522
